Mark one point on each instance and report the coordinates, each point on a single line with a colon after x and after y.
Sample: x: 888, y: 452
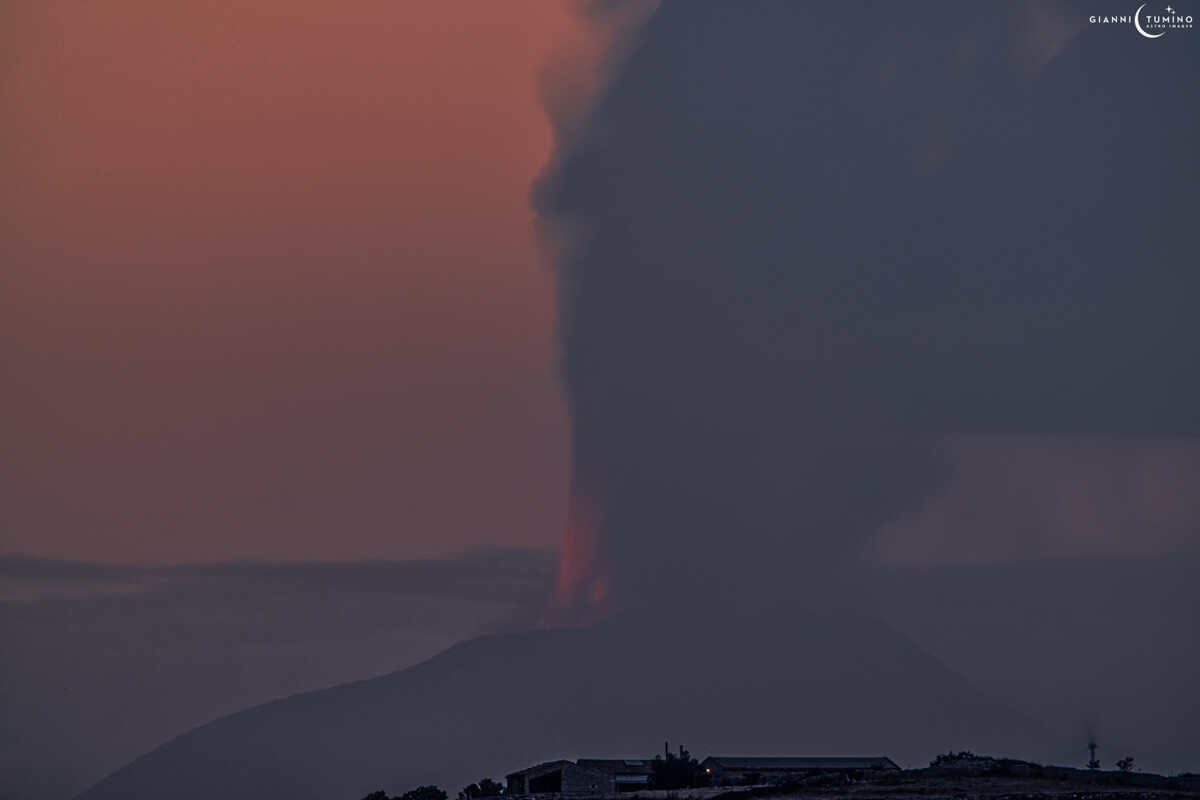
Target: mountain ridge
x: 499, y: 702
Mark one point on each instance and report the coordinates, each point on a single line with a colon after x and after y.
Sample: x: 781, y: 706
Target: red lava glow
x: 583, y: 582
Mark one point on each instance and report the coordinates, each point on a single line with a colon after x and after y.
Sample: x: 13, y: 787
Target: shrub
x: 950, y: 758
x: 485, y: 788
x: 424, y: 793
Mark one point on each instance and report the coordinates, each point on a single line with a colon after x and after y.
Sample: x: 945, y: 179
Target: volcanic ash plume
x: 805, y: 242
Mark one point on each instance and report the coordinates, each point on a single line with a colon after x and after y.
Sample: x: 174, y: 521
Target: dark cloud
x: 808, y: 240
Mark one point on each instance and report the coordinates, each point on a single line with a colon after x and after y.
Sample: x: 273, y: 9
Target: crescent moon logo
x: 1137, y: 23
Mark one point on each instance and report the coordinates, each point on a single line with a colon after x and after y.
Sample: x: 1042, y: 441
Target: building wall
x: 585, y: 781
x: 564, y: 778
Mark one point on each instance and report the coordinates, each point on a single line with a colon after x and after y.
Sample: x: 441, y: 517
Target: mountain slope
x: 494, y: 704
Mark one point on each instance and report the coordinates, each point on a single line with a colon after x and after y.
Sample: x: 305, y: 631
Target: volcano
x: 768, y: 683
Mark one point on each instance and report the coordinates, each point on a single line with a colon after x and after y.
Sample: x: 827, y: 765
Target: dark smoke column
x: 807, y: 242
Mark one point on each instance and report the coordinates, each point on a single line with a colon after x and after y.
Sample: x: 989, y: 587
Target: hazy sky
x: 270, y: 283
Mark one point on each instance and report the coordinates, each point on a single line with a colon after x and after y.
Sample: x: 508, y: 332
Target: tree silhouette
x: 430, y: 792
x: 675, y: 771
x: 485, y: 788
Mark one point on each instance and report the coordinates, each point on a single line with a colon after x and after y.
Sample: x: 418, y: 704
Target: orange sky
x: 271, y: 287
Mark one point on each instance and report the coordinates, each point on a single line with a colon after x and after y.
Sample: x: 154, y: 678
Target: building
x: 602, y: 776
x: 555, y: 777
x: 737, y: 768
x: 586, y: 776
x: 628, y: 774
